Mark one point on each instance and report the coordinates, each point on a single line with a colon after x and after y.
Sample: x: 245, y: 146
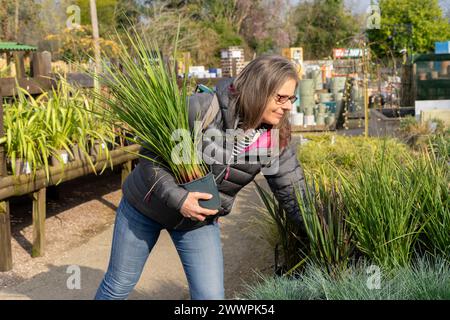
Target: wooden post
x: 234, y: 68
x: 126, y: 170
x: 365, y: 69
x: 5, y: 224
x: 414, y: 85
x: 95, y: 36
x: 16, y: 21
x: 38, y: 223
x: 20, y: 66
x: 42, y: 64
x: 5, y: 238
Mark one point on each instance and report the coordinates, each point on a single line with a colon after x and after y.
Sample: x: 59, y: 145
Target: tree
x: 52, y: 20
x: 106, y: 11
x: 77, y: 45
x: 17, y: 20
x: 115, y: 14
x: 410, y: 24
x: 321, y: 25
x: 206, y: 26
x: 268, y: 27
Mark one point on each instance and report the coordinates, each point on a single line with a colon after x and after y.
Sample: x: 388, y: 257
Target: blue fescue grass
x: 425, y: 279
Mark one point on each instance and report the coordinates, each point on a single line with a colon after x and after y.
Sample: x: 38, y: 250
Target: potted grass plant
x: 58, y: 125
x: 25, y: 144
x: 84, y: 130
x: 145, y: 96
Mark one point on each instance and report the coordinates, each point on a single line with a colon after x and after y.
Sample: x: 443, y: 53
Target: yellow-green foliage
x: 328, y: 151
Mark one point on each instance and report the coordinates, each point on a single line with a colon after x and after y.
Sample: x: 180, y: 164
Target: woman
x: 258, y: 100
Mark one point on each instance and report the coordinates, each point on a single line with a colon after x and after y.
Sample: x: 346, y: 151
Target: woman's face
x: 279, y: 103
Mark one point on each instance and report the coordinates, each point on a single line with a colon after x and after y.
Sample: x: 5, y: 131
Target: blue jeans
x: 200, y: 251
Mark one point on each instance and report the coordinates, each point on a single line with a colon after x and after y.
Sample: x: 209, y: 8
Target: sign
x: 342, y: 53
x: 295, y: 54
x: 234, y: 54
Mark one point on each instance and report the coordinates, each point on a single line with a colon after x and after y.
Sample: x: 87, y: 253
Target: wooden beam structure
x: 5, y: 224
x: 11, y: 186
x: 36, y: 186
x: 126, y: 170
x: 39, y: 214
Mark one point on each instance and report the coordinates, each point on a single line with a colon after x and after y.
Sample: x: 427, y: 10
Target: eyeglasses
x: 280, y: 99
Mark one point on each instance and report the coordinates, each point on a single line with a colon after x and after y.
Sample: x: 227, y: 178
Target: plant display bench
x: 386, y: 122
x: 316, y: 128
x: 36, y: 186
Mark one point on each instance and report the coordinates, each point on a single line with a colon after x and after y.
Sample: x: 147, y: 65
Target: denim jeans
x: 200, y: 251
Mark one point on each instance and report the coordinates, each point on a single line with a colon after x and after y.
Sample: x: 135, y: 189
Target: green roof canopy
x: 14, y: 46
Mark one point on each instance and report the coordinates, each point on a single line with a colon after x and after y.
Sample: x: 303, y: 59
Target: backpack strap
x: 211, y: 113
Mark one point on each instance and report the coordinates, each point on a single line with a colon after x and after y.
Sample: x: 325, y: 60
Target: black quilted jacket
x: 164, y: 201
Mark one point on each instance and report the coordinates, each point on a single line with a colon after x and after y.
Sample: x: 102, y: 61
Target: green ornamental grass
x: 323, y: 211
x: 144, y: 95
x: 39, y: 128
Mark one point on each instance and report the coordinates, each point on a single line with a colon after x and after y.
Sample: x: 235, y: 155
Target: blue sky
x: 356, y: 5
x: 361, y: 5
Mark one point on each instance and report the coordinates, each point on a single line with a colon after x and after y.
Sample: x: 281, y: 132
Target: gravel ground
x: 76, y: 210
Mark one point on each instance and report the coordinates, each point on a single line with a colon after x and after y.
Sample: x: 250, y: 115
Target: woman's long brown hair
x: 255, y: 85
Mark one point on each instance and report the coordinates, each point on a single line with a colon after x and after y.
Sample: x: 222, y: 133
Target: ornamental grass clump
x: 431, y: 173
x: 145, y: 96
x: 287, y: 238
x: 324, y: 238
x: 323, y: 212
x: 23, y: 130
x: 38, y: 129
x: 381, y: 200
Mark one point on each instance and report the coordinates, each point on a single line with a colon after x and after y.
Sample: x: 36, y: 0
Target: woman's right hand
x: 191, y: 208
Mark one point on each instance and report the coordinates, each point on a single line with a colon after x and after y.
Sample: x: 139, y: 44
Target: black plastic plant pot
x: 206, y: 184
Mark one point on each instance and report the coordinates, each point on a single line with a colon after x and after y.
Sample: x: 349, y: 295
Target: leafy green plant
x: 390, y: 202
x: 325, y: 237
x: 91, y: 127
x: 331, y: 152
x: 58, y: 127
x: 39, y: 128
x: 417, y: 134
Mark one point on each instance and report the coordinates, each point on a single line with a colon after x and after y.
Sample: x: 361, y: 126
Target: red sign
x: 341, y: 53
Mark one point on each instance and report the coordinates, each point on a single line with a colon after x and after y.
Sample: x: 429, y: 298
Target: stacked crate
x: 232, y: 61
x: 296, y: 56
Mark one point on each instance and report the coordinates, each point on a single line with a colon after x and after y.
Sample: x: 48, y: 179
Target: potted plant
x: 86, y: 129
x: 80, y: 137
x: 144, y: 95
x: 58, y: 125
x: 26, y: 146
